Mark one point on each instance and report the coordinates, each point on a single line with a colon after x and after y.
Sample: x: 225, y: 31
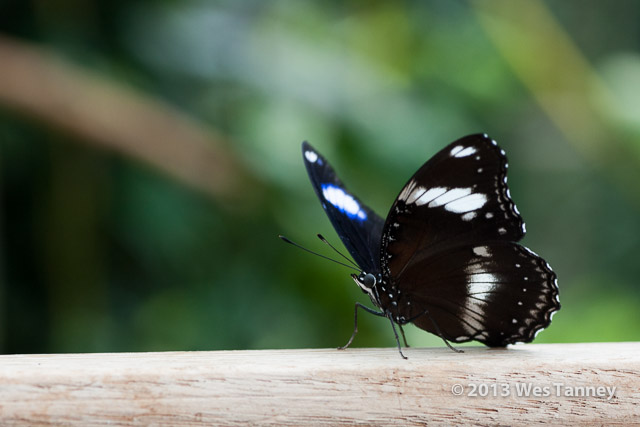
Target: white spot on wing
x: 480, y: 295
x: 480, y: 283
x: 468, y: 216
x: 449, y: 196
x: 468, y: 203
x: 415, y: 194
x: 482, y: 251
x: 311, y: 156
x: 464, y: 153
x: 477, y: 289
x: 485, y: 278
x: 429, y: 195
x: 480, y: 288
x: 455, y: 150
x: 343, y: 201
x: 406, y: 191
x: 457, y: 200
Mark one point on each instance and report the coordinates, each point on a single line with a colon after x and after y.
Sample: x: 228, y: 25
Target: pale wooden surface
x: 366, y: 386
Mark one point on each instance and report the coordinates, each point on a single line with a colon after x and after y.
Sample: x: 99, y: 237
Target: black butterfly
x: 446, y: 257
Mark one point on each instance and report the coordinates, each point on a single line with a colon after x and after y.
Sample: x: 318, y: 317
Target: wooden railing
x: 558, y: 383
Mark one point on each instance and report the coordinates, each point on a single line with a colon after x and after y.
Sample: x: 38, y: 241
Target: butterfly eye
x: 369, y: 280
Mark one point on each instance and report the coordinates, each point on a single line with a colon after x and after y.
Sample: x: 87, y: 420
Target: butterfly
x: 446, y: 258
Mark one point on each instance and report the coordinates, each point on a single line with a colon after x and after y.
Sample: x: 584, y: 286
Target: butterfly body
x: 446, y: 258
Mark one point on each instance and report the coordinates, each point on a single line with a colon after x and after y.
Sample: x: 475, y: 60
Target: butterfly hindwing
x: 359, y: 228
x: 494, y: 292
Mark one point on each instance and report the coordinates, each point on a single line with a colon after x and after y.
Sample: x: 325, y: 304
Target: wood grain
x: 293, y: 387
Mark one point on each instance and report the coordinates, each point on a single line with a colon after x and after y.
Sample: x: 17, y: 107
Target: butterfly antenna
x: 315, y: 253
x: 321, y: 237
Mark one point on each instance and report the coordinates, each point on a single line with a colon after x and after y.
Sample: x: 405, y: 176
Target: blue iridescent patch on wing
x: 343, y: 201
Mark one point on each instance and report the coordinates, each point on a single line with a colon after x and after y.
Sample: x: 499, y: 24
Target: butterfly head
x: 367, y: 279
x: 367, y: 283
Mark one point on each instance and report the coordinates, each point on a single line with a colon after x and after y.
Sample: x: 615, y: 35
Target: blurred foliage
x: 100, y: 252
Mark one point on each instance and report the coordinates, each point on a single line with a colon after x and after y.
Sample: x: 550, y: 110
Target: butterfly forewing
x: 359, y: 228
x: 459, y: 195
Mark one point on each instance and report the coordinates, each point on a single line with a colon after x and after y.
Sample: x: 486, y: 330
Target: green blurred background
x: 150, y: 156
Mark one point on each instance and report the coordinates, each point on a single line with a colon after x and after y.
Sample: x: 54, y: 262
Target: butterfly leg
x: 355, y: 322
x: 393, y: 326
x: 435, y: 325
x: 403, y: 337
